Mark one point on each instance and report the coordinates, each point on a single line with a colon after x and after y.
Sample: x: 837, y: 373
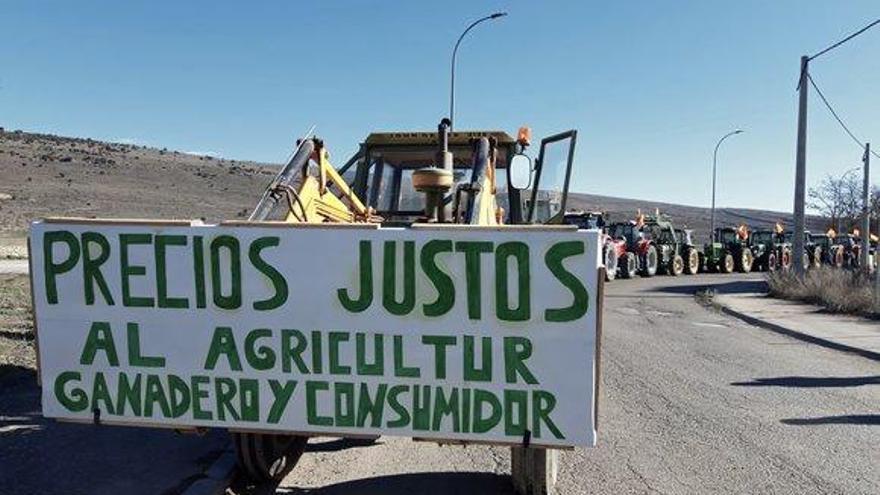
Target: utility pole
x: 866, y: 211
x: 800, y: 174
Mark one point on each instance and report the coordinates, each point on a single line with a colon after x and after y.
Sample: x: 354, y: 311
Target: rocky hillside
x: 42, y: 175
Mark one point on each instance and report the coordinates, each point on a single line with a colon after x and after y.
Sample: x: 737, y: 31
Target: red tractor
x: 641, y: 252
x: 613, y: 250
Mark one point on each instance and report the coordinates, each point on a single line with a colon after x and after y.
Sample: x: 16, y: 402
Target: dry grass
x: 16, y: 328
x: 840, y: 291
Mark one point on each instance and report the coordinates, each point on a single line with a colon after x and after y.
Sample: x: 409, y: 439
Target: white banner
x: 479, y: 334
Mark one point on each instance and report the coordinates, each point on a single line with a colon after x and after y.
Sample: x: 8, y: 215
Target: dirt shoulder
x: 17, y: 349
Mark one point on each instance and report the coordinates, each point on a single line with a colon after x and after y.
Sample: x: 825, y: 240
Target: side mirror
x: 520, y: 171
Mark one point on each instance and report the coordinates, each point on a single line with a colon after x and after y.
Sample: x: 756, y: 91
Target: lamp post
x: 496, y: 15
x: 714, y: 174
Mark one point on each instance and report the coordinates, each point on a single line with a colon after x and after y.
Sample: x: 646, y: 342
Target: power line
x: 832, y: 47
x: 836, y: 116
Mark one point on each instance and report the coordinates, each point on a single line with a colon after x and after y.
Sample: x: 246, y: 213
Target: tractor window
x: 627, y: 232
x: 393, y: 191
x: 762, y: 237
x: 728, y: 236
x: 548, y: 197
x: 381, y: 181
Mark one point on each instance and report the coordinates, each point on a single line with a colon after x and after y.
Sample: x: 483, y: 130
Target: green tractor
x: 728, y: 252
x: 770, y: 250
x: 690, y: 253
x: 831, y: 253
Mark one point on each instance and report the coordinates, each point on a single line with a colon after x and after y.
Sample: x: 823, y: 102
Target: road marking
x: 14, y: 266
x: 710, y: 325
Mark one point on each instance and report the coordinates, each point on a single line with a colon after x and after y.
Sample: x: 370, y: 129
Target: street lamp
x: 496, y: 15
x: 714, y: 168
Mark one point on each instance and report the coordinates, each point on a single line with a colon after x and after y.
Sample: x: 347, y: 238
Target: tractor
x: 763, y: 246
x: 770, y: 250
x: 659, y: 230
x: 851, y: 244
x: 690, y: 253
x: 402, y: 178
x: 831, y: 254
x: 641, y: 254
x: 812, y: 251
x: 729, y: 251
x: 613, y: 250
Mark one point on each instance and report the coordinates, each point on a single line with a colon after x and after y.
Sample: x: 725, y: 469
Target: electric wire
x: 837, y: 116
x: 832, y: 47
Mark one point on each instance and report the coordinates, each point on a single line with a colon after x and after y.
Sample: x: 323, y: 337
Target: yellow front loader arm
x: 314, y: 201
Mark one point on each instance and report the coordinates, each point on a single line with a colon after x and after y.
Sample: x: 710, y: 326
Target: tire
x: 650, y: 262
x: 837, y: 258
x: 744, y: 261
x: 692, y: 262
x: 676, y: 267
x: 630, y: 266
x: 785, y: 264
x: 771, y: 265
x: 264, y: 458
x: 727, y: 263
x: 610, y: 263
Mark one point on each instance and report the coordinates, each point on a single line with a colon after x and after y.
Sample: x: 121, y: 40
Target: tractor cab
x: 788, y: 238
x: 765, y: 237
x: 626, y: 231
x: 685, y: 237
x: 403, y: 176
x: 660, y: 231
x: 824, y: 241
x: 728, y: 236
x: 585, y: 219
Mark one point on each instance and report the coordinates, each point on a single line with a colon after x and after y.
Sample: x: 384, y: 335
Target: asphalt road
x: 694, y: 401
x: 47, y: 457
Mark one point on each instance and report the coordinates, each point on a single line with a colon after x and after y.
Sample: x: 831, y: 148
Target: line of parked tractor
x: 651, y: 245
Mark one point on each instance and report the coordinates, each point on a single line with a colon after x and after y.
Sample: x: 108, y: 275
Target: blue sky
x: 650, y: 85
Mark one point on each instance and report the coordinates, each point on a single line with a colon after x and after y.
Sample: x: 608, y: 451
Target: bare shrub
x: 840, y: 291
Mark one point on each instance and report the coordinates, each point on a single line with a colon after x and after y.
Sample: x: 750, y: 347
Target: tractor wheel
x: 727, y: 263
x: 692, y: 262
x: 771, y: 263
x: 676, y: 267
x: 650, y: 262
x: 817, y: 257
x: 786, y: 260
x: 630, y: 265
x: 610, y: 263
x: 267, y: 457
x: 745, y: 261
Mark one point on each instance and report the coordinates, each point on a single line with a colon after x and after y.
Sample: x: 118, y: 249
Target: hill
x: 44, y: 175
